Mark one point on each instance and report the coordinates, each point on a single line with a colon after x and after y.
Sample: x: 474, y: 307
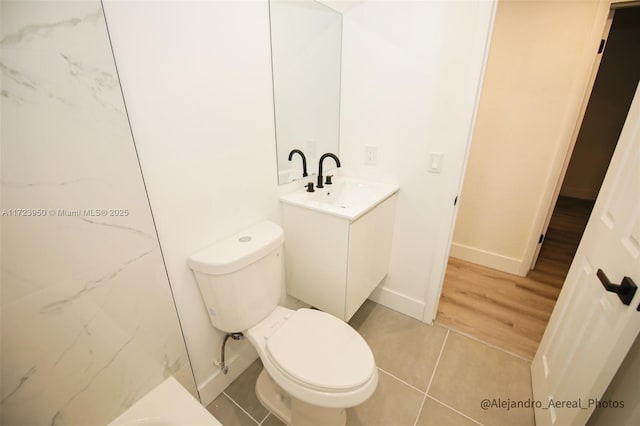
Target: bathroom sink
x: 347, y: 198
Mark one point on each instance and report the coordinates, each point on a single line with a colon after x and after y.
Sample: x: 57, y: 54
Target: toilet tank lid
x: 239, y: 250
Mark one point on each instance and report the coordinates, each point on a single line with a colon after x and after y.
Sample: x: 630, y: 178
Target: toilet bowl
x: 315, y: 358
x: 315, y: 365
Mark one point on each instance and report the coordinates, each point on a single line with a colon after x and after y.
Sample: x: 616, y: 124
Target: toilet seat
x: 295, y: 376
x: 319, y: 351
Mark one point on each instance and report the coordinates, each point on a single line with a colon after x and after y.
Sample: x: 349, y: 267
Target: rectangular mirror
x: 306, y: 49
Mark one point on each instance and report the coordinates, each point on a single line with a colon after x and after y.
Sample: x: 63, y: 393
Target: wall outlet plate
x: 370, y: 155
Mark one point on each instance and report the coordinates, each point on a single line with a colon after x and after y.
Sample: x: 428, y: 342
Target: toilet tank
x: 240, y: 277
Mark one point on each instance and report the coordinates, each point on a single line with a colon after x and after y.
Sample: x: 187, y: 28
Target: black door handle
x: 625, y: 290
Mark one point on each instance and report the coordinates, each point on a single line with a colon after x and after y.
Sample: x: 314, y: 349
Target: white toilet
x: 315, y: 365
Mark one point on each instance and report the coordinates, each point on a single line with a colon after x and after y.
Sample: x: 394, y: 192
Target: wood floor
x: 506, y: 310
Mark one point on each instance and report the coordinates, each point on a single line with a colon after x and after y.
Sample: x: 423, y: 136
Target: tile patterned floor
x: 428, y: 375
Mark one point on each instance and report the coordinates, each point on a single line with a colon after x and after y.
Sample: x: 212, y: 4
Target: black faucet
x: 304, y: 160
x: 335, y: 158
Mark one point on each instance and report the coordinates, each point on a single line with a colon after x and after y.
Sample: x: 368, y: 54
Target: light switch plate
x: 435, y: 162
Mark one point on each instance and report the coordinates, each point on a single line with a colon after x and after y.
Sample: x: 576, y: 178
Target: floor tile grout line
x: 265, y: 417
x: 433, y: 374
x: 454, y: 410
x: 424, y: 398
x: 435, y: 367
x: 400, y: 380
x: 240, y: 407
x: 477, y: 339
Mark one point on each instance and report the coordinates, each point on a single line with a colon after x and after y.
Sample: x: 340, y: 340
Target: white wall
x: 410, y: 81
x: 539, y: 64
x: 197, y: 82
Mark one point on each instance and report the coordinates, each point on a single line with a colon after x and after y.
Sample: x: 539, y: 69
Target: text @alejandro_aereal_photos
x: 582, y: 404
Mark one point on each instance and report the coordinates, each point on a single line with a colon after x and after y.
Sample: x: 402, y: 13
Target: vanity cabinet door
x: 316, y: 257
x: 369, y: 253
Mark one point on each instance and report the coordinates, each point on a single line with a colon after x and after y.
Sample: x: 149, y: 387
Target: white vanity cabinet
x: 334, y: 263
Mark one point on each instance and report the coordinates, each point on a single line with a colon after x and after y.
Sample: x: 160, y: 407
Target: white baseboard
x: 489, y: 259
x: 398, y: 302
x: 218, y: 382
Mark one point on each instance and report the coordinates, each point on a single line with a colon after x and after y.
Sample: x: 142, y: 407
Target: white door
x: 591, y: 330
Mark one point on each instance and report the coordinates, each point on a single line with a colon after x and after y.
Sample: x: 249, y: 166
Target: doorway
x: 606, y: 111
x: 512, y: 312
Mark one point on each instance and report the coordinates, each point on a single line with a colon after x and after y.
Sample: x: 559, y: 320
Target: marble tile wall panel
x: 88, y: 324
